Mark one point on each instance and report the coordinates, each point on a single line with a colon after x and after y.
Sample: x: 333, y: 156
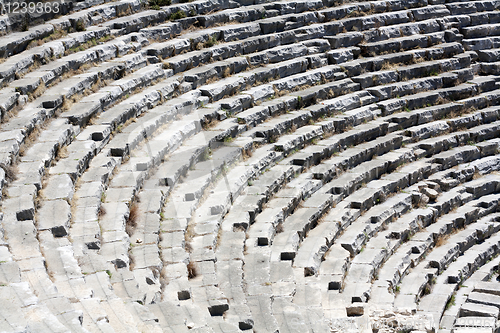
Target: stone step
x: 484, y: 43
x: 478, y: 310
x: 309, y: 78
x: 171, y: 316
x: 302, y: 136
x: 398, y: 44
x: 468, y: 7
x: 480, y: 31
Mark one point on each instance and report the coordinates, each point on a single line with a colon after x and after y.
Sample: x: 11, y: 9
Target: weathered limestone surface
x: 271, y: 166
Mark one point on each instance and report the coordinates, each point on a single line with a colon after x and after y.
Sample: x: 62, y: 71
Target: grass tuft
x: 177, y: 15
x: 192, y: 272
x: 133, y: 215
x: 10, y: 172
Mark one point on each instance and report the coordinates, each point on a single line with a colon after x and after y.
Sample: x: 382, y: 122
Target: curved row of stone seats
x: 22, y: 306
x: 306, y: 98
x: 85, y: 18
x: 15, y: 66
x: 366, y: 263
x: 210, y: 13
x: 232, y: 225
x: 381, y: 207
x: 83, y: 235
x: 417, y: 279
x: 239, y: 15
x: 195, y: 10
x: 477, y: 255
x: 472, y: 25
x: 17, y: 41
x: 280, y: 13
x: 479, y: 32
x: 459, y: 271
x: 51, y: 73
x: 260, y: 314
x: 423, y: 69
x: 82, y: 12
x: 81, y: 112
x: 231, y: 85
x: 86, y: 35
x: 243, y: 118
x: 441, y: 258
x: 203, y: 273
x: 120, y: 195
x: 340, y: 225
x: 141, y: 78
x: 168, y: 45
x: 61, y: 231
x: 37, y: 112
x: 401, y: 44
x: 358, y: 67
x: 57, y: 48
x: 451, y: 200
x: 128, y: 83
x: 27, y: 253
x: 299, y: 250
x: 321, y: 172
x: 479, y: 278
x: 395, y: 17
x: 197, y: 39
x: 470, y: 95
x: 135, y: 286
x: 63, y: 253
x: 470, y: 7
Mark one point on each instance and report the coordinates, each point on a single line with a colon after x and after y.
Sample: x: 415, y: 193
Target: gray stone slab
x: 487, y: 287
x: 59, y: 187
x: 22, y: 206
x: 478, y: 310
x: 55, y: 216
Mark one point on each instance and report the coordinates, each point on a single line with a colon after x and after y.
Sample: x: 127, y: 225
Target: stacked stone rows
x: 286, y: 166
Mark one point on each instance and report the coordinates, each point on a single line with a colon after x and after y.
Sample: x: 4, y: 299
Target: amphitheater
x: 251, y: 166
